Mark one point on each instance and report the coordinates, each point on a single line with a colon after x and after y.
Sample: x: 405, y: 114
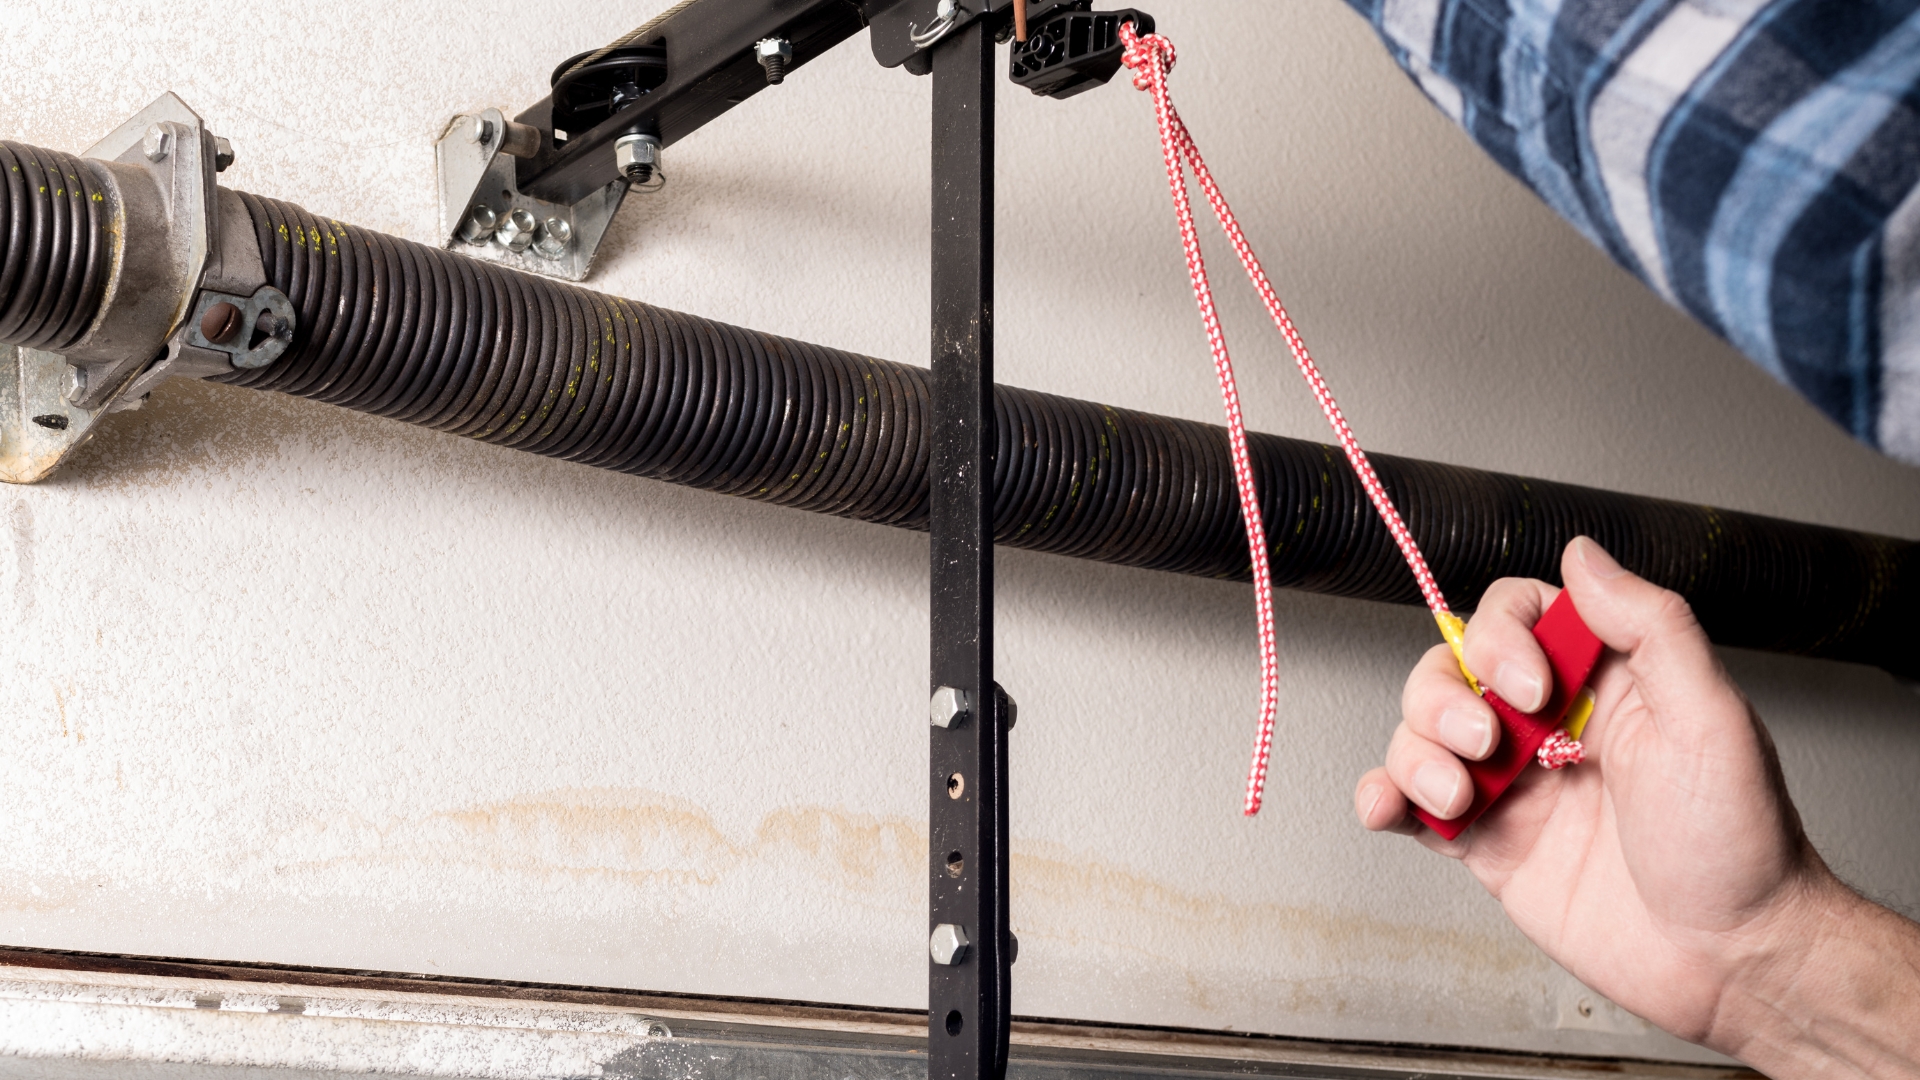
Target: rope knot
x: 1144, y: 54
x: 1561, y: 750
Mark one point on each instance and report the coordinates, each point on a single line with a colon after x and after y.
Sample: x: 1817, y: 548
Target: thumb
x: 1669, y: 655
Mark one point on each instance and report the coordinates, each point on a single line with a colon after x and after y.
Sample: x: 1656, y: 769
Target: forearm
x: 1837, y: 994
x: 1804, y: 186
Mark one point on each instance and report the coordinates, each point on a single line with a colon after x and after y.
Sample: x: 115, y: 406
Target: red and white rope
x: 1561, y: 750
x: 1151, y: 57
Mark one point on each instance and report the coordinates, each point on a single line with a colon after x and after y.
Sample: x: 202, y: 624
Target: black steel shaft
x: 967, y: 784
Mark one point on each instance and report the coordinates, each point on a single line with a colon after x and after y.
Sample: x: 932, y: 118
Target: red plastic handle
x: 1571, y: 650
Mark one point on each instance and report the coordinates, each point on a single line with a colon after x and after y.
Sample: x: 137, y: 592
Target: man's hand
x: 1669, y: 872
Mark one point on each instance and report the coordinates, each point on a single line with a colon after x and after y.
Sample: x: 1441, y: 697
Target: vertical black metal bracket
x: 970, y: 949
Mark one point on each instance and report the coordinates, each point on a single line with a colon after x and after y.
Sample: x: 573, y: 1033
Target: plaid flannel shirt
x: 1755, y: 162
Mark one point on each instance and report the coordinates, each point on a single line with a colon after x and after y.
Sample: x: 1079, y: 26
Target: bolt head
x: 477, y: 227
x: 948, y: 944
x: 555, y: 235
x: 157, y: 143
x: 221, y: 323
x: 766, y: 48
x: 222, y: 154
x: 516, y: 231
x: 948, y: 707
x: 76, y: 383
x: 948, y: 9
x: 482, y: 130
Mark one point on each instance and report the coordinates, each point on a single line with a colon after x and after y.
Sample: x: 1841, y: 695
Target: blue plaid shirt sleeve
x: 1755, y: 162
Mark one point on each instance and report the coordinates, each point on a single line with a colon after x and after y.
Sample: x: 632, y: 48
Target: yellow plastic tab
x: 1580, y: 712
x: 1454, y: 629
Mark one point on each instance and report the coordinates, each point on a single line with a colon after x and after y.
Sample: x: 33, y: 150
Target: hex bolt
x: 76, y: 383
x: 774, y: 54
x: 477, y: 227
x: 221, y: 323
x: 637, y: 157
x: 516, y: 231
x: 555, y: 235
x: 222, y: 154
x: 947, y: 945
x: 157, y: 143
x: 948, y: 707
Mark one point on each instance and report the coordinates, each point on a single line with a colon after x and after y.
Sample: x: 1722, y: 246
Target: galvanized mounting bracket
x: 161, y: 164
x: 39, y: 427
x: 484, y: 214
x: 176, y: 233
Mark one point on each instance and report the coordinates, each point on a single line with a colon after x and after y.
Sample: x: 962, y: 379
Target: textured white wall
x: 284, y: 683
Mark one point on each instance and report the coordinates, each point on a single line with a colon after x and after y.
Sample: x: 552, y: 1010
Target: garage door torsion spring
x: 433, y: 338
x: 438, y: 339
x: 53, y: 221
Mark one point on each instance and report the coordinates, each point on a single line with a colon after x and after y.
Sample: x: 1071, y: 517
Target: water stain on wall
x: 637, y: 851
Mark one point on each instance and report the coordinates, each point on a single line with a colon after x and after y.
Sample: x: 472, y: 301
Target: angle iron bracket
x: 484, y: 214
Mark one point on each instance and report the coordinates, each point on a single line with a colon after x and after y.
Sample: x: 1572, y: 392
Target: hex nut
x: 76, y: 383
x: 773, y: 46
x: 949, y: 708
x: 637, y: 156
x: 948, y: 944
x: 157, y: 143
x: 222, y: 154
x: 516, y: 231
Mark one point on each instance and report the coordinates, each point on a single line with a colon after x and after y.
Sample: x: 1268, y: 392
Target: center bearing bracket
x: 484, y: 214
x: 175, y: 233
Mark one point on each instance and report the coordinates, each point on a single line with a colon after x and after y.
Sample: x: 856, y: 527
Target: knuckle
x: 1672, y: 611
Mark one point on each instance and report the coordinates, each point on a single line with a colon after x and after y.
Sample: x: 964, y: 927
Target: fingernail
x: 1435, y: 786
x: 1597, y: 561
x: 1522, y: 689
x: 1369, y: 798
x: 1467, y: 731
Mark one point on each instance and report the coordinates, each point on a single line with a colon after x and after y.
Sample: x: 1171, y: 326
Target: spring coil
x: 417, y: 334
x: 400, y: 330
x: 54, y: 221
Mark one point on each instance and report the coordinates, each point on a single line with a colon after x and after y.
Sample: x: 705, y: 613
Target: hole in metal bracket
x: 956, y: 786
